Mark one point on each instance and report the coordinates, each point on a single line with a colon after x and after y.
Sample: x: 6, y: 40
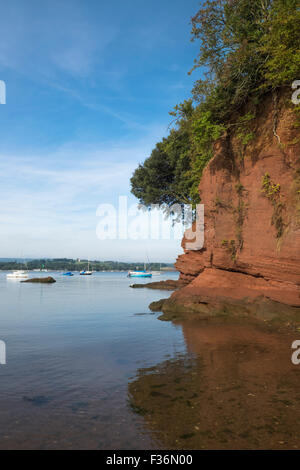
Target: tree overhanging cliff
x: 236, y: 147
x: 248, y: 49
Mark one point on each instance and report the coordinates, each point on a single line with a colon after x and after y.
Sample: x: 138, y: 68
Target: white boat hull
x: 17, y: 275
x: 139, y: 274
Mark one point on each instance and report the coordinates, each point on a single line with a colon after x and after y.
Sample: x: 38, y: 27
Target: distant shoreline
x: 67, y: 264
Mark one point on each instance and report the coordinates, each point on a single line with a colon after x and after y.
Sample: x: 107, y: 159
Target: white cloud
x: 49, y: 201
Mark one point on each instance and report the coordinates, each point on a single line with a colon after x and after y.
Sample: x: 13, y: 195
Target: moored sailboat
x: 141, y: 273
x: 86, y: 272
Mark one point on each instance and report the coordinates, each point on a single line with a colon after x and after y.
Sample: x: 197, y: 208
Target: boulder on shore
x: 41, y: 280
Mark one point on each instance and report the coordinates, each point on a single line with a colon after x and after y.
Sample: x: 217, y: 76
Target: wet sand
x: 236, y: 388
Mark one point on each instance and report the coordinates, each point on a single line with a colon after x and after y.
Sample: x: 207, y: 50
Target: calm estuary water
x: 72, y: 349
x: 89, y: 367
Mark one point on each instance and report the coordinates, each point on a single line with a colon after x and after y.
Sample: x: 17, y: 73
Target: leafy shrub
x: 246, y: 49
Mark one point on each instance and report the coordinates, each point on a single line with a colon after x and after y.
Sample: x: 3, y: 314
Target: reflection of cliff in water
x: 236, y: 388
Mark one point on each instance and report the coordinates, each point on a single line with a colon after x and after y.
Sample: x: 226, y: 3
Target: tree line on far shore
x: 66, y: 264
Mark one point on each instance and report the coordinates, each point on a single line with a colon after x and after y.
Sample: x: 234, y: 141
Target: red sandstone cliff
x: 251, y: 195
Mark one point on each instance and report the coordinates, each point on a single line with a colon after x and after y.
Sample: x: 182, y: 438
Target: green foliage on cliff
x: 272, y: 192
x: 247, y: 48
x: 281, y: 44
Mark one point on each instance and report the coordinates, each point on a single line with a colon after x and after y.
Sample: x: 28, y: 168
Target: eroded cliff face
x: 251, y: 195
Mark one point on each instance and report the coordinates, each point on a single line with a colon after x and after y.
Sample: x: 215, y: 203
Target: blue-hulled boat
x: 139, y: 274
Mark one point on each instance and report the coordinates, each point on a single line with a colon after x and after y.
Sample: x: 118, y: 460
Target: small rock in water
x: 41, y: 280
x: 37, y: 400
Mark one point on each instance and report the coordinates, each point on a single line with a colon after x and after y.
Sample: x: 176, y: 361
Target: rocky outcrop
x: 251, y: 196
x: 41, y: 280
x: 169, y: 284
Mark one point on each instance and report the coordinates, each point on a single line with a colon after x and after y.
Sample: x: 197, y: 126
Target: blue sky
x: 89, y: 87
